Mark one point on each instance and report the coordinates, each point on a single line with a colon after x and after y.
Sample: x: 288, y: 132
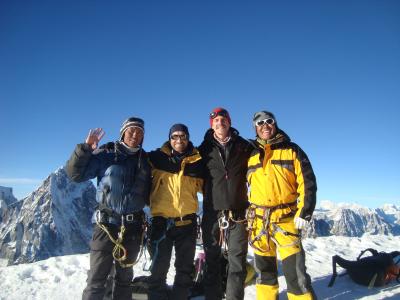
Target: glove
x: 300, y: 223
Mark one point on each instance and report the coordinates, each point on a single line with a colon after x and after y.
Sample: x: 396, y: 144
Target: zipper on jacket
x: 224, y: 164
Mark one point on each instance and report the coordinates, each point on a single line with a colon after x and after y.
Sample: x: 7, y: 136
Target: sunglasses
x: 222, y: 113
x: 268, y: 121
x: 181, y: 137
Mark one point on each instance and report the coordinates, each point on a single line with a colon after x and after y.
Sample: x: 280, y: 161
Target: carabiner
x: 223, y: 222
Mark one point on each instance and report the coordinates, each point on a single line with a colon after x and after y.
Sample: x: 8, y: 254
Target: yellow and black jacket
x: 176, y: 182
x: 280, y: 175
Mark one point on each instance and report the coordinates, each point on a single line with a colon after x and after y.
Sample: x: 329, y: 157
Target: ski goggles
x: 182, y: 137
x: 268, y: 121
x: 222, y: 113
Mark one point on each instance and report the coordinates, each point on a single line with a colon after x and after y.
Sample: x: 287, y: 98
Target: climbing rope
x: 119, y: 252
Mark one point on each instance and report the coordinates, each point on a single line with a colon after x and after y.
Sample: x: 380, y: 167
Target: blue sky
x: 329, y: 70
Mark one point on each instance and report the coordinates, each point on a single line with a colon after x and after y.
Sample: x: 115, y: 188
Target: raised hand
x: 94, y: 137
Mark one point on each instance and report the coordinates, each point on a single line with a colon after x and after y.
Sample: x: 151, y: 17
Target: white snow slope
x: 64, y: 277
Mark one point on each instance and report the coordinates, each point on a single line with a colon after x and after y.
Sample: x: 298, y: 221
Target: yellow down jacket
x: 176, y: 182
x: 280, y: 175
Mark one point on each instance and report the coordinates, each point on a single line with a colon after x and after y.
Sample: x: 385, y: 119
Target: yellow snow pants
x: 282, y: 238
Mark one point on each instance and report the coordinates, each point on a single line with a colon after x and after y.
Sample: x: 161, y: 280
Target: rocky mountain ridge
x: 53, y: 220
x: 56, y: 220
x: 353, y: 220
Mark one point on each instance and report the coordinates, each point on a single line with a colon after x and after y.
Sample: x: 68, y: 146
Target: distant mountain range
x: 56, y: 220
x: 353, y: 220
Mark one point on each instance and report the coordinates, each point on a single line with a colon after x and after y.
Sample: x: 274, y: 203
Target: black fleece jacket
x: 225, y: 185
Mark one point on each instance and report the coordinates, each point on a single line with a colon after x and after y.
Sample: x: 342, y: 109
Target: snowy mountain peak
x: 53, y: 220
x: 332, y: 206
x: 348, y: 219
x: 6, y: 195
x: 391, y: 208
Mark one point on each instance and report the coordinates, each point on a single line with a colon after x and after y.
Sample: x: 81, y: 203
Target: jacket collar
x: 280, y: 137
x: 209, y: 135
x: 167, y: 149
x: 121, y: 148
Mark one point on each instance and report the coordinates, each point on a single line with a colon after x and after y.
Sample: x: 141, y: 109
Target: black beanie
x: 178, y: 127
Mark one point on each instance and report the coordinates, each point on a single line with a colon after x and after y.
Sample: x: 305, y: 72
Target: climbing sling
x: 119, y: 252
x: 225, y: 219
x: 170, y: 223
x: 265, y: 217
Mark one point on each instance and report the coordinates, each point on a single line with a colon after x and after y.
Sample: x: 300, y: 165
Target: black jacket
x: 225, y: 181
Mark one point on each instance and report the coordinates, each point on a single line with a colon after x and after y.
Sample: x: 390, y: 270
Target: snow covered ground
x: 64, y: 277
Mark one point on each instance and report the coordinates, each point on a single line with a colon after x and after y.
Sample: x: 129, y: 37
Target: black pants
x: 165, y: 235
x: 237, y: 252
x: 102, y: 261
x: 294, y: 269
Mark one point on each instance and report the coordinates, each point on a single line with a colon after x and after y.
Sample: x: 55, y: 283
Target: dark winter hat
x: 131, y: 122
x: 262, y: 115
x: 178, y: 127
x: 219, y: 111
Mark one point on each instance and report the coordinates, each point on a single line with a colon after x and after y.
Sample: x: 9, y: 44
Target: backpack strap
x: 373, y: 251
x: 395, y: 254
x: 334, y: 273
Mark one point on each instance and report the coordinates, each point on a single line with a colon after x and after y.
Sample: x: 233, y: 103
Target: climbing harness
x: 223, y: 223
x: 225, y: 219
x: 170, y: 222
x: 276, y: 228
x: 119, y: 252
x: 251, y: 218
x: 266, y: 230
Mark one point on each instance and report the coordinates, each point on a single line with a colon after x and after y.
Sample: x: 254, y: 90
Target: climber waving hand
x: 123, y: 187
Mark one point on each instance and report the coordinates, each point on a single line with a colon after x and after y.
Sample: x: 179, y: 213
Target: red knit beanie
x: 219, y: 111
